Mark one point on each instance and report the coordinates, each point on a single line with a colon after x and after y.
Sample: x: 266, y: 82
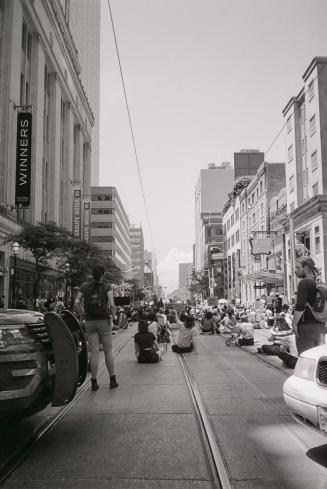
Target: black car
x: 43, y: 359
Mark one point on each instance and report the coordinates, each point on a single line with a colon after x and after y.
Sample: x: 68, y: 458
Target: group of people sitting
x: 154, y: 334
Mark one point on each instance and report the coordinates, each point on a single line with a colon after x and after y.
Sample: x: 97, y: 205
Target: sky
x: 204, y: 79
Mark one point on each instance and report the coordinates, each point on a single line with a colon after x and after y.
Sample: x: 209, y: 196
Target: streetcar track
x: 18, y: 457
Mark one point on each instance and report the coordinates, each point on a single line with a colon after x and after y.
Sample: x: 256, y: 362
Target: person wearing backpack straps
x: 309, y: 331
x: 99, y: 308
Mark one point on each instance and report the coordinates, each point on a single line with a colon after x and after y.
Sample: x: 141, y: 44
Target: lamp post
x: 15, y: 249
x: 67, y: 270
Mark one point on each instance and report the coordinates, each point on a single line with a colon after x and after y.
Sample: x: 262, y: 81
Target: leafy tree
x: 44, y: 241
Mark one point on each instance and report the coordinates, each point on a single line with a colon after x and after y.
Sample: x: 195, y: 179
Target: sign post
x: 23, y: 159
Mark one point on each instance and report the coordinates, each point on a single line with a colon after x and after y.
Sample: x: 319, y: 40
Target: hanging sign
x: 77, y: 214
x: 23, y: 159
x: 86, y: 226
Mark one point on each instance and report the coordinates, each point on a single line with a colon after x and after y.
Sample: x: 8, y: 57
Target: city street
x: 145, y: 434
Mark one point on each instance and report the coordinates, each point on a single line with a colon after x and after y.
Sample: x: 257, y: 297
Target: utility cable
x: 323, y: 66
x: 131, y: 127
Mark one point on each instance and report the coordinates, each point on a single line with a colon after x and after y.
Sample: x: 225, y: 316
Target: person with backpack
x: 309, y: 328
x: 99, y: 307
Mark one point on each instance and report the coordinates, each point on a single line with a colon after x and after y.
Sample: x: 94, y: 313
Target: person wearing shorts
x: 99, y: 329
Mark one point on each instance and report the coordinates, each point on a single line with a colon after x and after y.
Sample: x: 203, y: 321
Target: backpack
x: 95, y: 301
x: 319, y: 309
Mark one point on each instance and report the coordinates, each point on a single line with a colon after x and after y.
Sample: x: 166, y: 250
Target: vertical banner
x: 86, y: 226
x: 77, y: 205
x: 23, y: 159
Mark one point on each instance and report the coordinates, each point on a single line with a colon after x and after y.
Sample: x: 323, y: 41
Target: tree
x: 240, y: 184
x: 44, y: 241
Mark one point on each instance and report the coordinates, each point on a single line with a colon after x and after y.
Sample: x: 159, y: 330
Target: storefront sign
x: 86, y: 226
x: 23, y: 159
x: 261, y: 246
x: 77, y: 214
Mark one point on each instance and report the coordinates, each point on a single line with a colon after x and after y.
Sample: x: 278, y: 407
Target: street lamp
x: 15, y: 249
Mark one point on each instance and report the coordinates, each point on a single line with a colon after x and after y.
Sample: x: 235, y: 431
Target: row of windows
x: 102, y: 211
x: 234, y: 239
x: 102, y: 197
x: 291, y: 183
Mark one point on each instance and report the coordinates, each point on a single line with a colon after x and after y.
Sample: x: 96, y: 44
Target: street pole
x: 15, y: 249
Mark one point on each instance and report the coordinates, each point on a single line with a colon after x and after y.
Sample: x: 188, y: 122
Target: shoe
x: 113, y: 382
x: 94, y: 385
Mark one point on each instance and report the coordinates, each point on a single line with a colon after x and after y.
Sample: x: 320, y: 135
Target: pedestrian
x: 308, y: 331
x: 147, y: 349
x: 99, y: 309
x: 59, y: 306
x: 186, y: 341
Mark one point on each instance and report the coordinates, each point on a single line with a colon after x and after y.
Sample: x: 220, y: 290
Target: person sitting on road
x: 208, y: 325
x: 153, y: 325
x: 186, y: 341
x: 146, y: 346
x: 245, y: 332
x: 288, y: 351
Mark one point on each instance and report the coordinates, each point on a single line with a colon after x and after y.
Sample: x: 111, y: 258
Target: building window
x: 292, y: 206
x: 261, y: 207
x: 290, y: 153
x: 237, y: 236
x: 315, y: 189
x: 253, y: 218
x: 237, y: 215
x: 313, y: 127
x: 289, y: 124
x: 317, y: 239
x: 242, y: 207
x: 253, y: 198
x: 233, y: 240
x: 291, y: 182
x: 311, y: 90
x: 228, y: 243
x: 228, y: 225
x: 314, y: 160
x: 102, y: 197
x: 232, y: 220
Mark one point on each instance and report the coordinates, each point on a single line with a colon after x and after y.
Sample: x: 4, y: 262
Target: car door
x: 65, y: 359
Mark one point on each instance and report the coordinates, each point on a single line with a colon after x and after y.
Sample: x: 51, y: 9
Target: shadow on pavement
x: 318, y: 455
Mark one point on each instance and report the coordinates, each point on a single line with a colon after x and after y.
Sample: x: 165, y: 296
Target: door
x: 65, y: 359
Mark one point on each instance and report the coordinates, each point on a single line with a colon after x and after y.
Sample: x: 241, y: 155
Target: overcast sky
x: 204, y: 78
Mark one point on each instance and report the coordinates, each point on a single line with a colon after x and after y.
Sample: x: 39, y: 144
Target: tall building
x: 137, y: 253
x: 210, y: 195
x: 46, y: 121
x: 83, y: 17
x: 184, y: 279
x: 247, y: 162
x: 110, y: 226
x: 306, y: 168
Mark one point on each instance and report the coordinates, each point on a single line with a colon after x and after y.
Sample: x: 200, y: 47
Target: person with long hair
x: 146, y: 346
x: 186, y: 341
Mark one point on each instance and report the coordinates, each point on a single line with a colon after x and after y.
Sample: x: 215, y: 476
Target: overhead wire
x: 323, y: 66
x: 131, y: 128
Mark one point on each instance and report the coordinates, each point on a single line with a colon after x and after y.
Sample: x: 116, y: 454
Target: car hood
x: 315, y: 353
x: 19, y: 317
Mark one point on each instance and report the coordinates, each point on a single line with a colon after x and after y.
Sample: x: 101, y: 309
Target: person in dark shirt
x: 308, y: 331
x: 146, y: 346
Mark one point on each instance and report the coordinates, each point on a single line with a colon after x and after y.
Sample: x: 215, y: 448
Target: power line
x: 285, y: 123
x: 131, y: 127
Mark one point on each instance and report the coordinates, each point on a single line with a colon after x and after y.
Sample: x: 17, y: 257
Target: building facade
x: 110, y: 226
x: 137, y: 253
x: 46, y: 123
x: 306, y: 170
x: 184, y: 279
x: 247, y: 162
x: 210, y: 195
x: 232, y: 247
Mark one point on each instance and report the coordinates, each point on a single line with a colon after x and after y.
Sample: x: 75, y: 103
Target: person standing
x: 99, y: 307
x: 308, y: 331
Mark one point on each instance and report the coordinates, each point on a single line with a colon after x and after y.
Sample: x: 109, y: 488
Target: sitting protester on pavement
x: 208, y: 325
x: 186, y: 341
x: 146, y: 346
x: 245, y: 332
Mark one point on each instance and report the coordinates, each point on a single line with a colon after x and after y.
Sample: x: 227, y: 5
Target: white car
x: 305, y: 392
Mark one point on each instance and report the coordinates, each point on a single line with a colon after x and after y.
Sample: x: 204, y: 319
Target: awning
x: 264, y: 276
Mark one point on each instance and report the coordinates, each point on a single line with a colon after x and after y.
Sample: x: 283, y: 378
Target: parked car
x: 43, y: 359
x: 305, y: 392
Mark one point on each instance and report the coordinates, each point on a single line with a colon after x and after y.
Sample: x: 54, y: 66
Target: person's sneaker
x: 113, y: 382
x: 94, y: 384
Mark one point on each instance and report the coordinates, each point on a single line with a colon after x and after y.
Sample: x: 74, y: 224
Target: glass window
x: 313, y: 125
x: 237, y: 236
x: 289, y: 124
x: 290, y: 153
x: 315, y: 189
x: 314, y: 160
x: 233, y: 240
x: 311, y: 90
x: 261, y: 207
x: 291, y: 182
x: 232, y: 220
x: 317, y: 244
x: 260, y: 186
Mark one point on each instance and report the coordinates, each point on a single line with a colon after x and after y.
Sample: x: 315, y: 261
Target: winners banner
x: 23, y: 159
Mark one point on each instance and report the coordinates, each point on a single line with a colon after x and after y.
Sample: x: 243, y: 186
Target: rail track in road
x: 15, y: 459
